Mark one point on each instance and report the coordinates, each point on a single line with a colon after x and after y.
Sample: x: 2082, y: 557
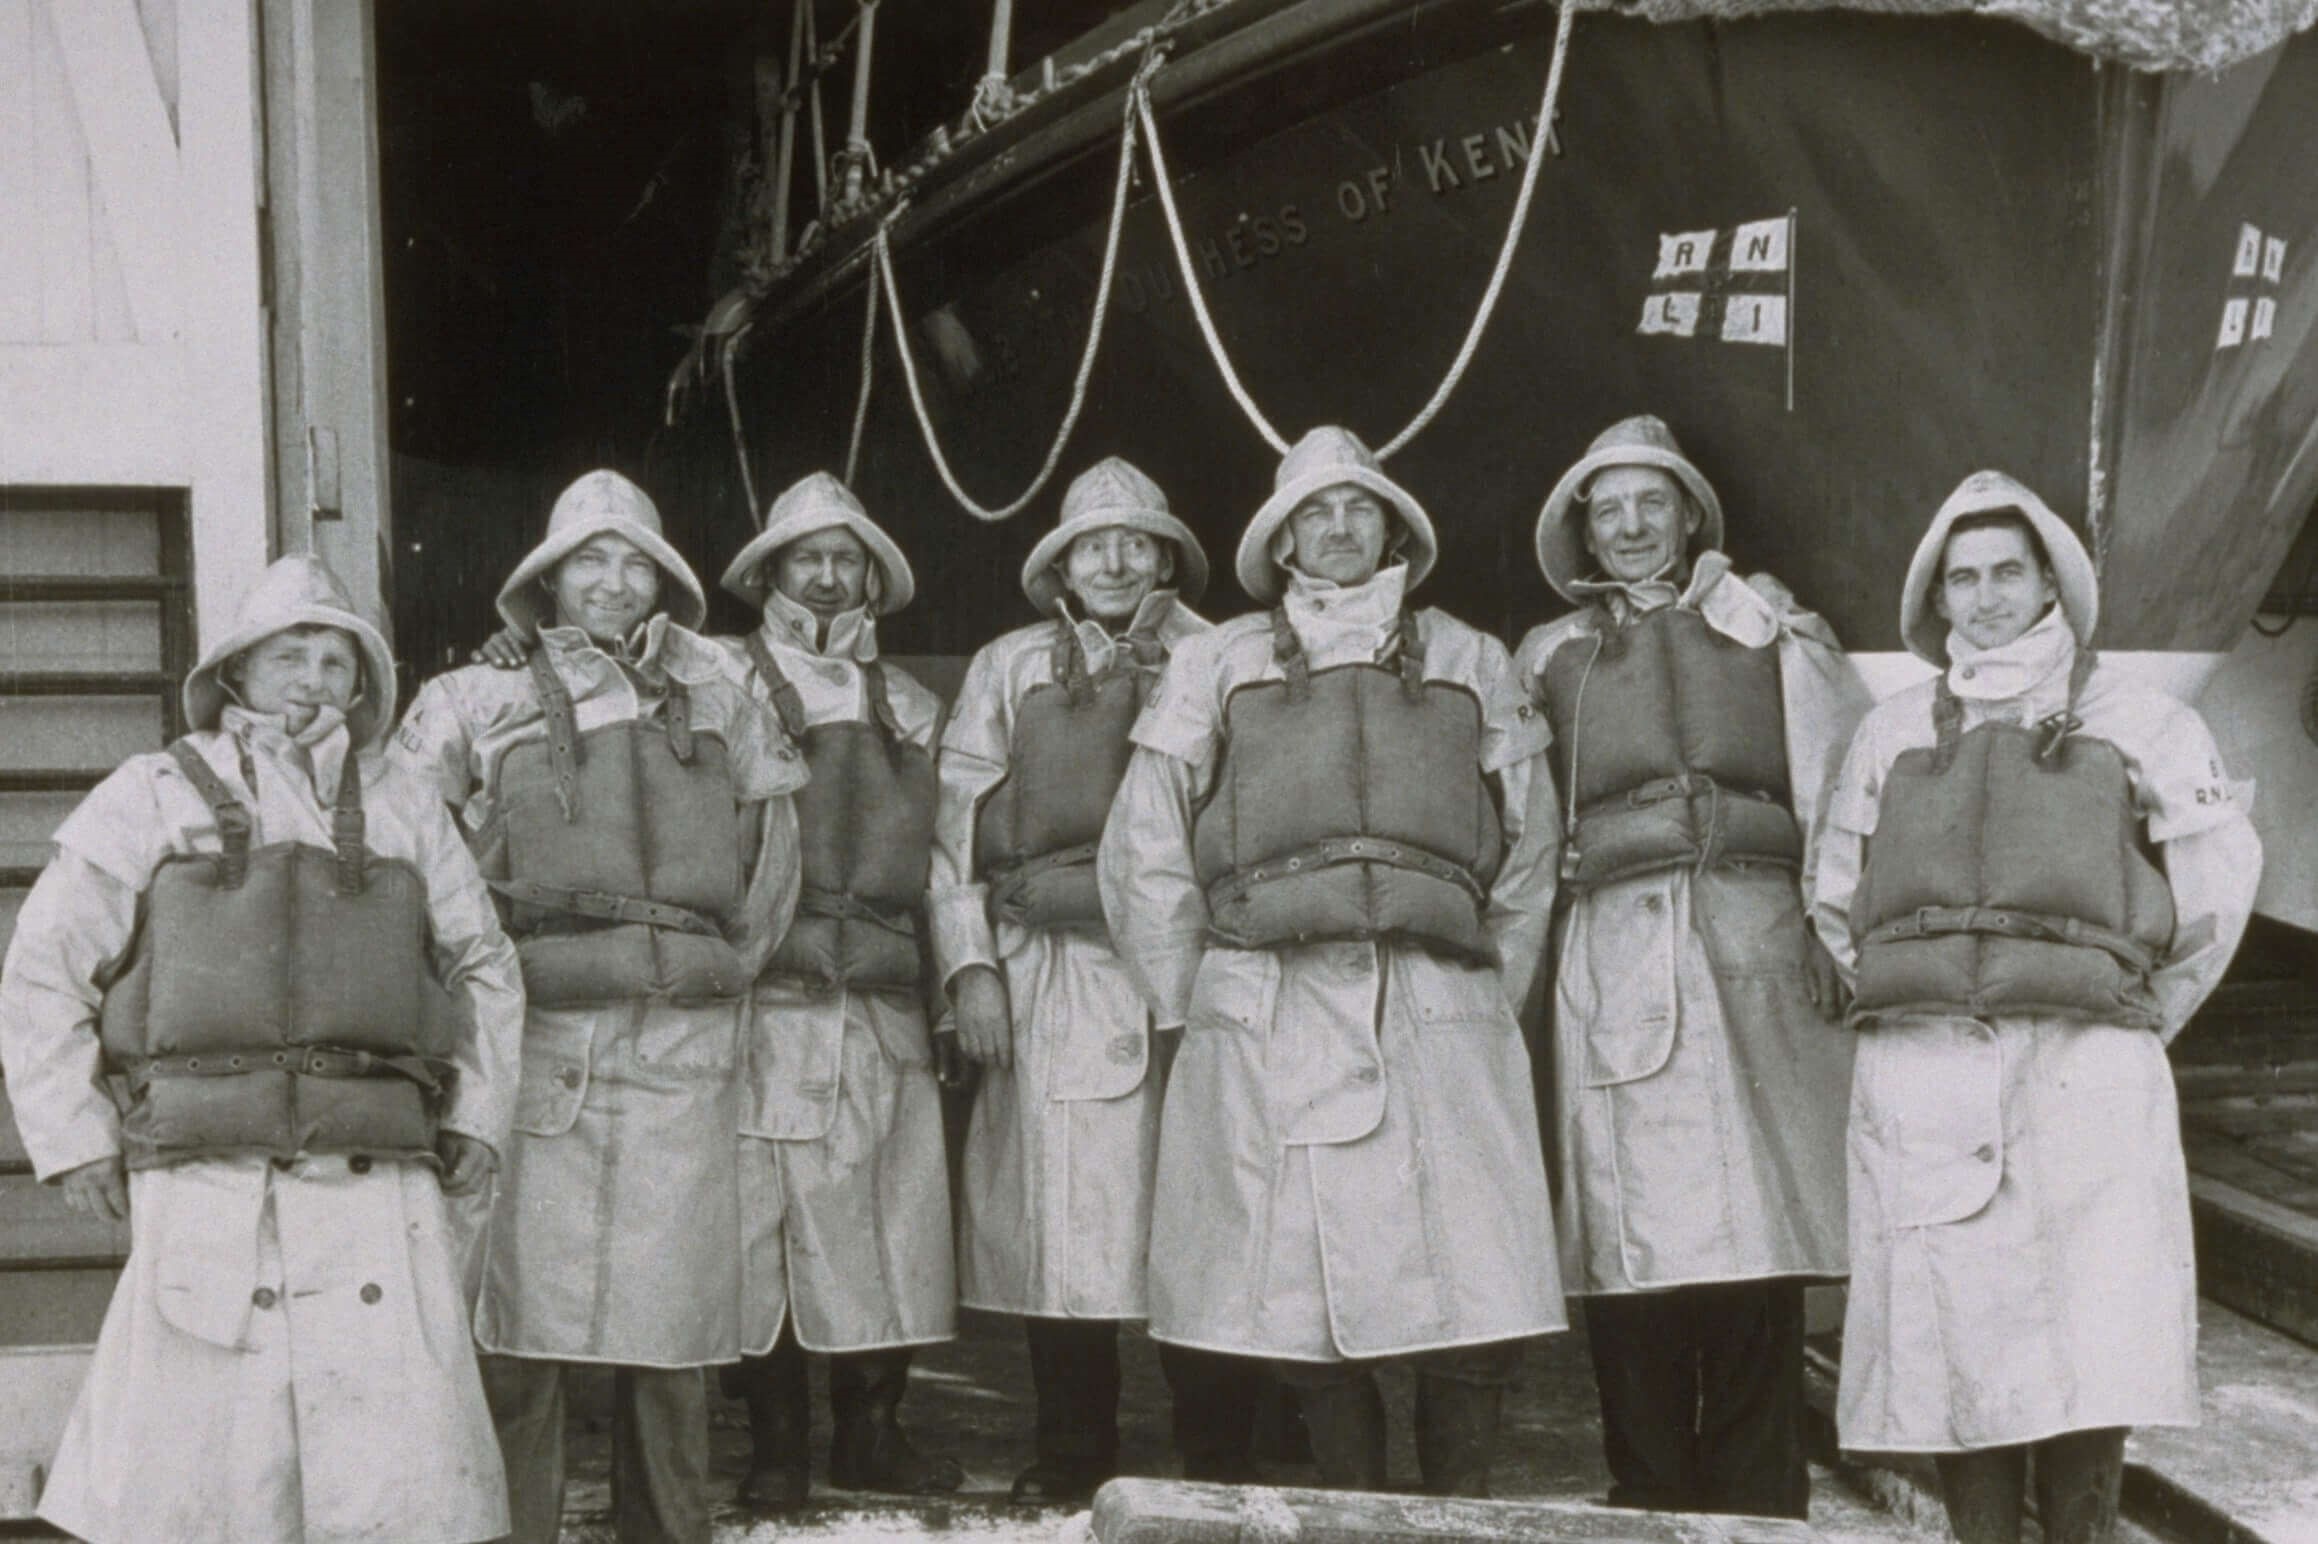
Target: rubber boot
x: 869, y: 1450
x: 1215, y: 1404
x: 1346, y: 1420
x: 1074, y: 1371
x: 780, y: 1406
x: 1457, y: 1434
x: 2078, y: 1475
x: 1983, y: 1490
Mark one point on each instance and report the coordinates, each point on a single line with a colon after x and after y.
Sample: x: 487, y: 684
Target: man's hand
x: 467, y: 1163
x: 1820, y: 977
x: 985, y: 1020
x: 951, y: 1069
x: 99, y: 1189
x: 505, y: 649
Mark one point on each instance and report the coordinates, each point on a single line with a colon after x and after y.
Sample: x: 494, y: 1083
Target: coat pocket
x: 1930, y: 1100
x: 1619, y: 988
x: 557, y: 1060
x: 1097, y: 1026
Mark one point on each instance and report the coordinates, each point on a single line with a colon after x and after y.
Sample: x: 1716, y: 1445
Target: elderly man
x: 238, y: 931
x: 1700, y: 1077
x: 1332, y: 859
x: 845, y: 1184
x: 1065, y: 1133
x: 2032, y: 871
x: 631, y: 806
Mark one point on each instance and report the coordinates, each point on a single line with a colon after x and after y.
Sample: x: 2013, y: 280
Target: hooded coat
x: 2020, y: 1239
x: 1699, y: 1095
x: 287, y: 1349
x: 610, y: 1234
x: 844, y: 1182
x: 1348, y: 1157
x: 1062, y: 1148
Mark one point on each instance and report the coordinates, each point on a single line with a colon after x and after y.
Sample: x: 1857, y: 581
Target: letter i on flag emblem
x: 1738, y: 286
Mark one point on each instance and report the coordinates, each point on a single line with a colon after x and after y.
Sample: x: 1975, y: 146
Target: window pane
x: 79, y: 635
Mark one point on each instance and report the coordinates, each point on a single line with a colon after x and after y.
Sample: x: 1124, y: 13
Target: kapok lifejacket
x: 2006, y: 875
x: 1349, y: 803
x: 623, y: 857
x: 1036, y: 833
x: 279, y: 1000
x: 865, y: 820
x: 1670, y: 747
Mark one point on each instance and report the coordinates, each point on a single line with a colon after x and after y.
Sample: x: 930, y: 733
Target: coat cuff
x: 960, y: 921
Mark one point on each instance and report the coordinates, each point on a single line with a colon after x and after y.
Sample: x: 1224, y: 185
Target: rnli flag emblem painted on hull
x: 1736, y: 285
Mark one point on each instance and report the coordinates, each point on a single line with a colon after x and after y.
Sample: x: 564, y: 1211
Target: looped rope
x: 1139, y: 96
x: 868, y: 372
x: 1086, y: 369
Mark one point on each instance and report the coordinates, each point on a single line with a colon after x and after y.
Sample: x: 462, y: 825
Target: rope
x: 1140, y: 96
x: 868, y: 364
x: 740, y: 443
x: 1086, y: 369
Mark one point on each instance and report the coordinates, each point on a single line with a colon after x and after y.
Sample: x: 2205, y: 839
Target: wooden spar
x: 1001, y: 40
x: 785, y: 154
x: 857, y: 123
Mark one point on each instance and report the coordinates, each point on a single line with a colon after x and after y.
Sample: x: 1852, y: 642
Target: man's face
x: 1637, y: 521
x: 605, y: 587
x: 1110, y: 570
x: 1991, y: 587
x: 827, y: 572
x: 297, y: 673
x: 1338, y: 534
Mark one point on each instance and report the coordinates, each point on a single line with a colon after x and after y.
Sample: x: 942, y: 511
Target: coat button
x: 569, y: 1077
x: 1966, y: 672
x: 285, y: 1164
x: 1125, y: 1048
x: 263, y: 1297
x: 1365, y: 1075
x: 1984, y: 1153
x: 370, y: 1292
x: 359, y: 1163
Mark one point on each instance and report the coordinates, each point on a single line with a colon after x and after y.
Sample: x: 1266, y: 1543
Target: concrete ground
x: 971, y: 1399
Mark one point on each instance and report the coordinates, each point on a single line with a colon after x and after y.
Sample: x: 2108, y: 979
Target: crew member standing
x: 631, y: 806
x: 1701, y: 1075
x: 844, y: 1179
x: 1332, y: 859
x: 1065, y: 1133
x: 260, y: 932
x: 2032, y: 871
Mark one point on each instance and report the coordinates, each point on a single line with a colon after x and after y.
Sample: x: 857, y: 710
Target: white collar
x: 852, y: 634
x: 2030, y: 667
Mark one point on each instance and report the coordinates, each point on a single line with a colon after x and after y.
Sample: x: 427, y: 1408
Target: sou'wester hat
x: 1643, y: 440
x: 297, y: 591
x: 810, y: 505
x: 1988, y: 493
x: 1114, y: 491
x: 600, y: 502
x: 1323, y: 458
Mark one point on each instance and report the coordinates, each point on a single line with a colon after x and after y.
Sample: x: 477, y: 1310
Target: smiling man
x: 259, y: 933
x: 1331, y: 860
x: 1700, y: 1076
x: 1060, y: 1155
x: 844, y: 1179
x: 631, y: 805
x: 2033, y: 872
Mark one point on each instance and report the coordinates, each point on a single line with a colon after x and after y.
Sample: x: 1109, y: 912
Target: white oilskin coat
x: 2020, y: 1239
x: 286, y: 1356
x: 844, y: 1184
x: 1062, y: 1148
x: 1349, y: 1162
x: 1700, y: 1097
x: 611, y: 1228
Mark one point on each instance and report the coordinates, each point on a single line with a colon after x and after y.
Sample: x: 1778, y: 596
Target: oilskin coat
x: 1063, y: 1145
x: 1348, y: 1158
x: 286, y: 1356
x: 2020, y: 1240
x: 844, y: 1183
x: 1699, y: 1095
x: 610, y: 1234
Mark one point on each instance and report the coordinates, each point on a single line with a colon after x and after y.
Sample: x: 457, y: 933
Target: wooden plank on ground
x: 2256, y: 1256
x: 1136, y: 1511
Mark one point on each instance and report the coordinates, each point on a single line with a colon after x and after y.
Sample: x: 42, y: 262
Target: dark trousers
x: 1074, y: 1368
x: 2078, y: 1476
x: 1702, y: 1397
x: 1460, y: 1397
x: 659, y: 1450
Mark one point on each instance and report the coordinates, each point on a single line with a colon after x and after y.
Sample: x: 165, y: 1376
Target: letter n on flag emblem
x: 1736, y: 285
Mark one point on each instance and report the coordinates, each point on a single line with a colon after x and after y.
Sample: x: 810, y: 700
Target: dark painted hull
x: 2004, y: 256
